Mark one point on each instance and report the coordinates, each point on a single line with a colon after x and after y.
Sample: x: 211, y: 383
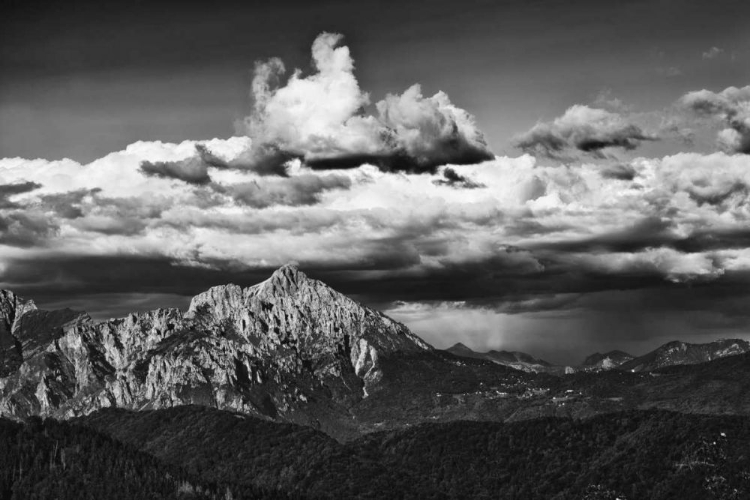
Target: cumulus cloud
x: 731, y: 106
x: 320, y: 118
x: 583, y: 128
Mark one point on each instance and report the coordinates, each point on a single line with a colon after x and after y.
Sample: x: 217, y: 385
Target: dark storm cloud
x: 67, y: 205
x: 299, y: 190
x: 192, y: 170
x: 22, y: 229
x: 619, y: 172
x: 454, y: 179
x: 730, y: 106
x: 582, y: 128
x: 264, y: 159
x: 8, y: 190
x: 648, y: 232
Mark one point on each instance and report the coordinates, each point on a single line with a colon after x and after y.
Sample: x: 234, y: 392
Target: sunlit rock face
x: 12, y: 308
x: 277, y: 350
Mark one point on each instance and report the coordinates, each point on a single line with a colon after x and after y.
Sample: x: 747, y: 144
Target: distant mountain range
x: 670, y: 354
x: 291, y: 349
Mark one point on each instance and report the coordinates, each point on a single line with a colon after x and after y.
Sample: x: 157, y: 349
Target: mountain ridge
x: 291, y: 349
x: 265, y: 350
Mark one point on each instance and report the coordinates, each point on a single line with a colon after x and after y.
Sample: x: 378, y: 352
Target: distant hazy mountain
x: 513, y: 359
x: 682, y: 353
x: 608, y: 360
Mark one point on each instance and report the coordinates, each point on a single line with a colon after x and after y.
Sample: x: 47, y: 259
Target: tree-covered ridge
x: 48, y: 459
x: 629, y: 455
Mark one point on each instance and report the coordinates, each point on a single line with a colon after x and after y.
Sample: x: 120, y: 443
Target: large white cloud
x: 519, y: 215
x: 320, y: 118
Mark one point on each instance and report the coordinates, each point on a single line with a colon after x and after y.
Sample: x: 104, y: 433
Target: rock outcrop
x: 277, y: 350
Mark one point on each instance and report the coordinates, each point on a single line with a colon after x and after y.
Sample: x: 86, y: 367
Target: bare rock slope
x: 289, y: 348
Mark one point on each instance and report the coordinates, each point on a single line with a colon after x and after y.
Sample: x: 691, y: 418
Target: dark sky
x: 582, y: 182
x: 80, y: 80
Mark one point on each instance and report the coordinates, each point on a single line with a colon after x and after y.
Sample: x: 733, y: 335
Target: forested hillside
x: 633, y: 455
x: 56, y: 460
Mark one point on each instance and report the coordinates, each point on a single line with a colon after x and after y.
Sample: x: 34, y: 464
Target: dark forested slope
x: 633, y: 455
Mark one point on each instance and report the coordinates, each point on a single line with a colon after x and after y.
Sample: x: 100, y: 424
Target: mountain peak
x: 288, y: 277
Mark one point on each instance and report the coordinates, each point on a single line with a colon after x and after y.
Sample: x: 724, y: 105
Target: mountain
x: 682, y: 353
x: 288, y: 348
x: 606, y: 361
x: 293, y: 350
x: 513, y: 359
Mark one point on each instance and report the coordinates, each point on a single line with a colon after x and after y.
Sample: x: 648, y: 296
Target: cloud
x: 622, y: 172
x: 304, y: 189
x: 432, y: 131
x: 588, y: 130
x: 712, y: 53
x: 454, y: 179
x: 8, y: 190
x: 192, y: 170
x: 530, y: 246
x: 320, y: 119
x: 20, y: 229
x: 730, y: 106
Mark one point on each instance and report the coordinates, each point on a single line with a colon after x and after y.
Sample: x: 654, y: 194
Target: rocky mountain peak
x: 266, y: 349
x: 287, y: 278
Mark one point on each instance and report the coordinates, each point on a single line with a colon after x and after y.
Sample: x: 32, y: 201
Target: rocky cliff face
x: 278, y: 349
x: 12, y: 308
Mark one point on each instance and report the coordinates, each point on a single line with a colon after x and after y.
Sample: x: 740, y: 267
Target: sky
x: 553, y: 177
